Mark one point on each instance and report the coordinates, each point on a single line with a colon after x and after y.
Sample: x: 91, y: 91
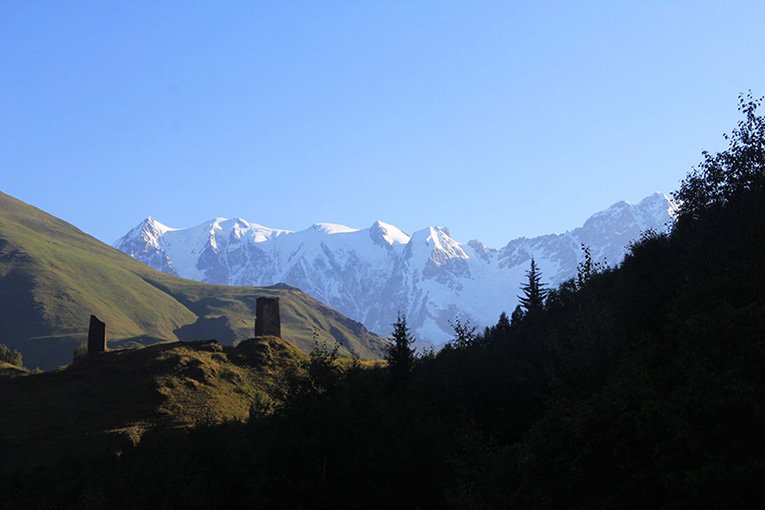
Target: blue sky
x: 495, y: 119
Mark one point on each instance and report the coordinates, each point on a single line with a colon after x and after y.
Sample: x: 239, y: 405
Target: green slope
x: 53, y: 276
x: 106, y: 401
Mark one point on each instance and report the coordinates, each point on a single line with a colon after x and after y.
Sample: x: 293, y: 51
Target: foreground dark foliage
x: 639, y: 387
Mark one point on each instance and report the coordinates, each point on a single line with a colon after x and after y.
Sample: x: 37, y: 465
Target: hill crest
x: 53, y: 276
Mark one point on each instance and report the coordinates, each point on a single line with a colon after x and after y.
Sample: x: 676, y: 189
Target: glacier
x: 372, y: 274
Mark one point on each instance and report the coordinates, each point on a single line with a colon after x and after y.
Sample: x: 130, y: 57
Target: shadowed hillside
x: 106, y: 401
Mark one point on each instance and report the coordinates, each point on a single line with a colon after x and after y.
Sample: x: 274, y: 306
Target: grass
x: 53, y: 276
x: 106, y: 401
x: 8, y: 370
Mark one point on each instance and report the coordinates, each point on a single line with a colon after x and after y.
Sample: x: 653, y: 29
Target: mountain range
x: 375, y: 273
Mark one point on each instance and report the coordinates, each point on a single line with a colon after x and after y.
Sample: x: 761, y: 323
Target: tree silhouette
x: 731, y: 173
x: 400, y: 355
x: 534, y: 291
x: 516, y: 318
x: 587, y: 268
x: 464, y: 333
x: 503, y: 324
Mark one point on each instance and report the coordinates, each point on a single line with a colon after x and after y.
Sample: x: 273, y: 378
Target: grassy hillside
x: 106, y: 401
x: 53, y: 276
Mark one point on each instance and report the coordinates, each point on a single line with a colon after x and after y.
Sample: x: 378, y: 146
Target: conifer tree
x: 503, y: 324
x: 517, y: 316
x: 534, y: 292
x: 400, y: 355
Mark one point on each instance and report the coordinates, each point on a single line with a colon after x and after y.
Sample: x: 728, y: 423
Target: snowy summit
x: 371, y: 274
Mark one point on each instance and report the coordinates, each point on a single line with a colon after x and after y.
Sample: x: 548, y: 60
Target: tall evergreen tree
x: 517, y: 316
x: 400, y: 355
x: 534, y: 291
x: 503, y: 324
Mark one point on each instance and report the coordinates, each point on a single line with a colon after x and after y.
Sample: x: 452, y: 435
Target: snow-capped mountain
x: 371, y: 274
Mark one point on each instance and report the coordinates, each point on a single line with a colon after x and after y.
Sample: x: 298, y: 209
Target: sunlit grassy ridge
x: 53, y: 276
x: 7, y: 369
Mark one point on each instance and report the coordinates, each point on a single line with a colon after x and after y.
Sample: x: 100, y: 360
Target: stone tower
x: 96, y: 335
x: 267, y: 320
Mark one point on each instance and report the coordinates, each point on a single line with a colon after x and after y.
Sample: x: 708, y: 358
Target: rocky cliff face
x: 371, y: 274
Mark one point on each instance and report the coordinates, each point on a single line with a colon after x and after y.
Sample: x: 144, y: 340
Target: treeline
x: 636, y: 387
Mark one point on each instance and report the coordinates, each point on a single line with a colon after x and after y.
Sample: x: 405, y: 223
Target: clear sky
x: 495, y: 119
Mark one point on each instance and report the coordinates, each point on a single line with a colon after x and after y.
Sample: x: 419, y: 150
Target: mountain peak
x: 432, y: 232
x: 153, y: 224
x: 436, y: 240
x: 387, y: 233
x: 240, y: 222
x: 660, y: 202
x: 332, y: 228
x: 380, y: 270
x: 150, y: 230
